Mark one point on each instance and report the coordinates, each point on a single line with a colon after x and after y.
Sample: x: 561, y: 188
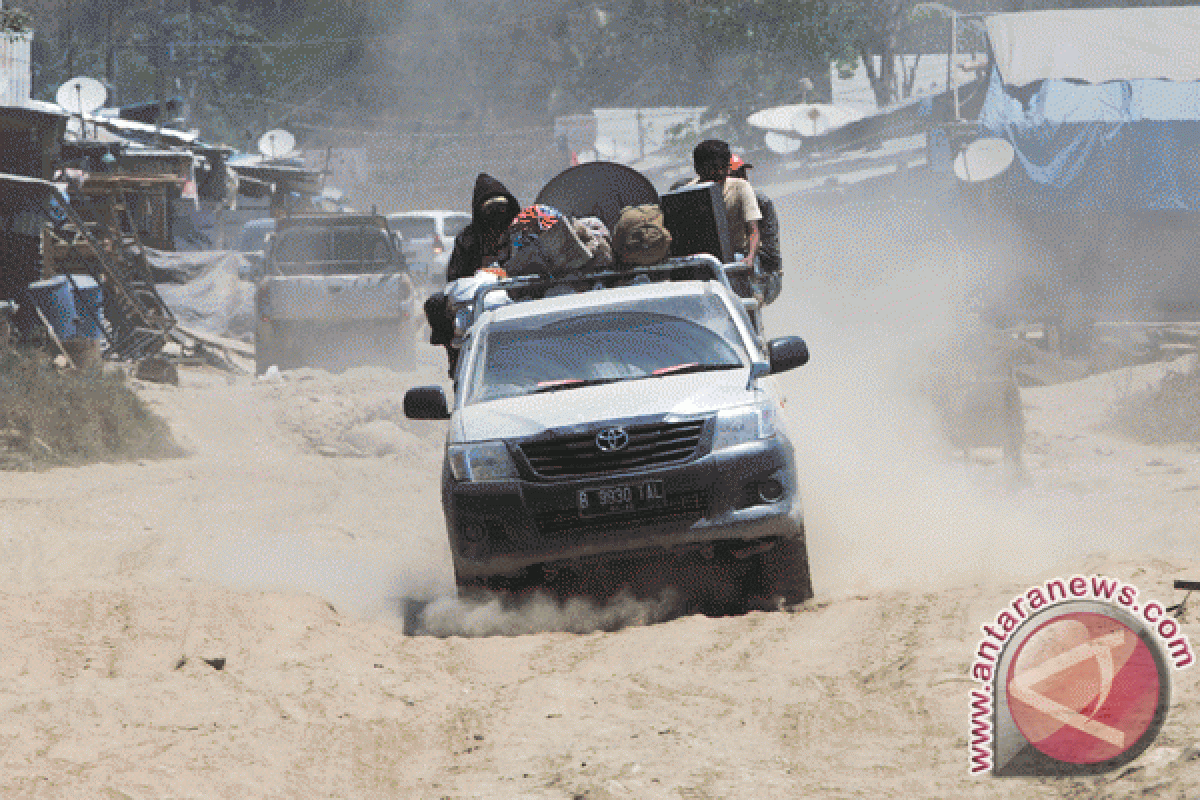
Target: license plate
x: 616, y: 499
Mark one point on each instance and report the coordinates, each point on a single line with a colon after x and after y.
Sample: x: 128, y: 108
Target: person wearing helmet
x: 770, y: 261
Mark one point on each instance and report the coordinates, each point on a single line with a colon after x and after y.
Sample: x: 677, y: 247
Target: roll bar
x: 685, y: 268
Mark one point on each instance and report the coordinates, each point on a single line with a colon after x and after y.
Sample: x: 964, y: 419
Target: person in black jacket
x: 493, y: 208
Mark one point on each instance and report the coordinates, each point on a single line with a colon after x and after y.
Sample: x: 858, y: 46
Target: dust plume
x: 887, y: 504
x: 367, y: 579
x: 541, y: 613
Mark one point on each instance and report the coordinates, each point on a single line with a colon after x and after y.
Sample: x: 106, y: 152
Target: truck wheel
x: 782, y: 575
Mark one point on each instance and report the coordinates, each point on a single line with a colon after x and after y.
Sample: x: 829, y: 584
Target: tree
x: 799, y: 38
x: 876, y: 35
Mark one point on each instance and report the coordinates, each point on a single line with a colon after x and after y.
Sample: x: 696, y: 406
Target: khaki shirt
x: 740, y: 207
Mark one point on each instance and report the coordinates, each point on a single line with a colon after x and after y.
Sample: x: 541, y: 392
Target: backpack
x: 542, y: 241
x: 641, y: 238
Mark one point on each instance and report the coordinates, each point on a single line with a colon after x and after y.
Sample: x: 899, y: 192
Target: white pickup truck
x: 335, y: 292
x: 621, y: 430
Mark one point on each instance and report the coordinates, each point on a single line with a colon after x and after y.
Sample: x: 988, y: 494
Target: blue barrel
x: 89, y: 306
x: 53, y: 296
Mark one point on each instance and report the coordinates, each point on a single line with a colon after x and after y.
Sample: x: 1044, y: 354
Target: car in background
x: 335, y: 293
x: 427, y: 238
x: 252, y: 244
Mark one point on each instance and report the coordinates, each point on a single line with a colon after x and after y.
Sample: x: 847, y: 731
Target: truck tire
x: 781, y: 575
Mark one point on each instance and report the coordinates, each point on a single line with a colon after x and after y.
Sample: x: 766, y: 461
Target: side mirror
x: 787, y: 352
x: 426, y: 402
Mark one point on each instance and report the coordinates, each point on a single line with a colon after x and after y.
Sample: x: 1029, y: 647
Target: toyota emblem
x: 610, y: 440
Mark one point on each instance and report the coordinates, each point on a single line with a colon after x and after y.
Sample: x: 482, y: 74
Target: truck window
x: 453, y: 226
x: 533, y: 355
x: 295, y: 248
x: 413, y: 227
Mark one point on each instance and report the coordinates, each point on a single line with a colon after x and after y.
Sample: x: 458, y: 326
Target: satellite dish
x: 597, y: 189
x: 81, y: 95
x: 803, y: 119
x: 983, y: 159
x: 783, y: 145
x: 276, y: 143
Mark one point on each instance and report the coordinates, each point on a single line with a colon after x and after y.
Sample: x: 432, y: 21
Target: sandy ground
x: 227, y: 624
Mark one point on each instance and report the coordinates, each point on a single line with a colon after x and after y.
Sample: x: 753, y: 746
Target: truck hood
x: 684, y: 395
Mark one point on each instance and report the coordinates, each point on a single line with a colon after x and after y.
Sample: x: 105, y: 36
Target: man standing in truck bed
x: 711, y: 160
x: 770, y: 261
x: 493, y: 208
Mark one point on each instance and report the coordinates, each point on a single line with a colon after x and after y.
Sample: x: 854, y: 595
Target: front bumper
x: 503, y: 527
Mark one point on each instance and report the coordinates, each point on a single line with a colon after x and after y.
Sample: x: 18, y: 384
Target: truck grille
x: 649, y: 445
x: 685, y: 508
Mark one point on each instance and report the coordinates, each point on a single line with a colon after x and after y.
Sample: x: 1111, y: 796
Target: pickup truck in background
x: 427, y: 239
x: 335, y: 293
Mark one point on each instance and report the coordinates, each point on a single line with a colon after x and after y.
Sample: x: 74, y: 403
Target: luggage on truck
x: 695, y: 215
x: 642, y: 237
x: 542, y: 241
x: 595, y: 237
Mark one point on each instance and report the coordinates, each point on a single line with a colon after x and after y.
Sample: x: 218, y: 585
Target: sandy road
x: 305, y: 509
x: 260, y: 550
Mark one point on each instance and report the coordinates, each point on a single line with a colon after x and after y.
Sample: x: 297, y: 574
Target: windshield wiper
x: 572, y: 383
x: 681, y: 369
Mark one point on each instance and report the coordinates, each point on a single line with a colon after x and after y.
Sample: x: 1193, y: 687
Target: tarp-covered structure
x: 1101, y: 106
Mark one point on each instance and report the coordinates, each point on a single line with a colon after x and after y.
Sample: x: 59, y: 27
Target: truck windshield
x: 650, y: 340
x: 414, y: 227
x: 331, y: 251
x: 254, y: 238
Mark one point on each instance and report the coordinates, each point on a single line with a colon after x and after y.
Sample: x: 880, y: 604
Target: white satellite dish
x: 276, y: 143
x: 783, y: 145
x: 803, y: 119
x: 81, y: 95
x: 983, y: 159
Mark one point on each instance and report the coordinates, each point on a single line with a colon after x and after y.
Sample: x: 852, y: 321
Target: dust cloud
x: 370, y: 580
x: 887, y: 503
x: 541, y: 613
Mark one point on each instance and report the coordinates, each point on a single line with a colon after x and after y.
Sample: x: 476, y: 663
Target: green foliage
x: 50, y: 416
x: 14, y: 22
x: 227, y: 59
x: 817, y: 28
x: 245, y: 65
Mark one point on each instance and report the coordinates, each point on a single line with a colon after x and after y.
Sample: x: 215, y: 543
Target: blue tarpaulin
x: 1114, y: 145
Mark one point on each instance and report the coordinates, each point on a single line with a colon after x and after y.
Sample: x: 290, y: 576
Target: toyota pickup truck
x: 335, y: 292
x: 616, y: 431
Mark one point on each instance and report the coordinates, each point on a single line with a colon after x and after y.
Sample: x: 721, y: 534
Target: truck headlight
x: 481, y: 461
x: 743, y: 424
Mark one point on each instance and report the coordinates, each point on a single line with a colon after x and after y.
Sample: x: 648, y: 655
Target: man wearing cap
x: 770, y: 261
x: 711, y: 160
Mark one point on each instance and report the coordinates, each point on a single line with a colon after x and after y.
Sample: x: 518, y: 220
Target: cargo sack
x: 541, y: 241
x: 641, y: 238
x: 595, y: 237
